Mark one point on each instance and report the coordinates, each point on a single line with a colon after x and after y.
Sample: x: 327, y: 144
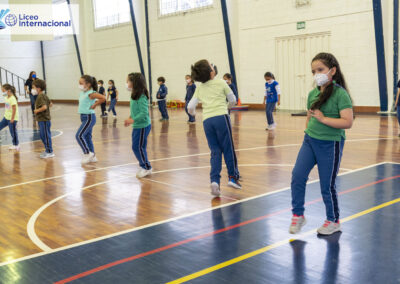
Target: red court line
x: 124, y: 260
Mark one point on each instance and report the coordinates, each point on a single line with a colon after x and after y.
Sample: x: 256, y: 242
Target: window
x: 110, y: 13
x: 168, y: 7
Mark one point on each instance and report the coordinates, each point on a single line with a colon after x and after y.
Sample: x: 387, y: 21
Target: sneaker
x: 143, y: 173
x: 233, y: 182
x: 297, y: 223
x: 328, y: 228
x: 86, y: 158
x: 42, y: 154
x: 268, y: 127
x: 48, y: 155
x: 92, y: 158
x: 14, y: 147
x: 215, y: 190
x: 161, y: 119
x: 114, y: 116
x: 272, y: 126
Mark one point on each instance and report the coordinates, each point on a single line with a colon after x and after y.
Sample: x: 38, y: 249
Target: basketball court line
x: 269, y: 247
x: 165, y: 159
x: 171, y: 219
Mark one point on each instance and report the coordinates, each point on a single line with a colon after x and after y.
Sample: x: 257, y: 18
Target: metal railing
x: 7, y: 77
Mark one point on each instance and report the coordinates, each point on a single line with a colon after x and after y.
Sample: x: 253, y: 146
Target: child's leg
x: 88, y: 134
x: 139, y: 146
x: 49, y: 143
x: 82, y: 132
x: 398, y: 114
x: 160, y: 108
x: 3, y: 123
x: 305, y: 162
x: 329, y: 154
x: 270, y: 109
x: 226, y: 141
x: 216, y: 151
x: 165, y: 115
x: 14, y: 133
x: 42, y: 133
x: 114, y: 104
x: 103, y: 108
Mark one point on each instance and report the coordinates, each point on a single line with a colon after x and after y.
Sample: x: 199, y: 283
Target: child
x: 397, y: 104
x: 87, y: 104
x: 162, y: 98
x: 102, y: 91
x: 213, y: 95
x: 190, y: 89
x: 42, y: 115
x: 11, y: 114
x: 228, y: 79
x: 113, y: 93
x: 272, y: 96
x: 28, y: 89
x: 140, y: 118
x: 330, y: 112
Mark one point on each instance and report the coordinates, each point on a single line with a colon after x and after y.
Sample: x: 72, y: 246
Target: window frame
x: 182, y: 13
x: 108, y: 26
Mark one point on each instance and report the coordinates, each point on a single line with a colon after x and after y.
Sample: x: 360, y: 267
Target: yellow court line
x: 269, y: 247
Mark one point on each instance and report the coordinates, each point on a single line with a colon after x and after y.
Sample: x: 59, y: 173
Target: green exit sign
x: 301, y: 25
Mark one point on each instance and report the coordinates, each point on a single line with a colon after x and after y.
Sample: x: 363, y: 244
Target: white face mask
x: 82, y: 87
x: 270, y: 81
x: 127, y: 87
x: 227, y: 81
x: 188, y: 81
x: 4, y: 93
x: 109, y: 85
x: 34, y: 92
x: 321, y: 78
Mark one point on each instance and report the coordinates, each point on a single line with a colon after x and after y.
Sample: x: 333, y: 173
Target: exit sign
x: 301, y: 25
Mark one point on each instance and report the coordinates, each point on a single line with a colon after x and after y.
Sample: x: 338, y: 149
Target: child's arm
x: 14, y: 111
x: 108, y: 95
x: 278, y: 91
x: 128, y: 121
x: 99, y: 101
x: 231, y: 99
x: 41, y: 109
x: 397, y: 99
x: 344, y: 122
x: 192, y: 106
x: 116, y: 91
x: 265, y: 99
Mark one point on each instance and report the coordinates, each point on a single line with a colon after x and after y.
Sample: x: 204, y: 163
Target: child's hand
x: 128, y: 122
x: 279, y: 103
x: 51, y: 105
x: 93, y: 107
x: 317, y: 114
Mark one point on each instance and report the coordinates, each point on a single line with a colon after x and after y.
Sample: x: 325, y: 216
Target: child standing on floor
x: 162, y: 98
x: 42, y: 115
x: 102, y: 91
x: 113, y: 93
x: 190, y: 89
x: 228, y: 79
x: 213, y: 94
x: 88, y: 100
x: 140, y: 118
x: 11, y: 114
x: 271, y: 98
x: 330, y: 112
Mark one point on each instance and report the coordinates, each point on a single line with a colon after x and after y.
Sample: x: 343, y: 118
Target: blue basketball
x: 11, y: 20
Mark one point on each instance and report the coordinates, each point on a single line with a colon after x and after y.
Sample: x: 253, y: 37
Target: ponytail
x: 330, y: 61
x: 91, y: 81
x: 10, y: 88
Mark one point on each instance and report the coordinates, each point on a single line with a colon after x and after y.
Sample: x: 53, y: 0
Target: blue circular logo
x: 10, y: 20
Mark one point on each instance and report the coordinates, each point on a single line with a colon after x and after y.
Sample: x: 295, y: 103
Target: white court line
x: 32, y: 142
x: 169, y: 158
x: 48, y: 250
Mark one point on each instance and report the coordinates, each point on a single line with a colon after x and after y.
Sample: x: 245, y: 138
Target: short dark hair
x: 201, y: 71
x: 161, y: 79
x: 101, y: 82
x: 41, y: 84
x: 270, y: 75
x: 229, y: 76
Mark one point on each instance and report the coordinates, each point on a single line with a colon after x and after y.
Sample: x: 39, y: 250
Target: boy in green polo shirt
x: 42, y: 115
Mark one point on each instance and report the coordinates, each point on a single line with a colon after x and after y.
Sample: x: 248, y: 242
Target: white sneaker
x: 143, y: 173
x: 215, y: 190
x: 328, y: 228
x: 272, y: 126
x: 114, y: 116
x: 297, y: 223
x: 48, y: 155
x: 93, y: 158
x: 14, y: 147
x: 42, y: 154
x: 86, y: 158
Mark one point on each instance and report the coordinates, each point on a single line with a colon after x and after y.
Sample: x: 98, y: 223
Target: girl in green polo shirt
x: 330, y: 112
x: 140, y: 118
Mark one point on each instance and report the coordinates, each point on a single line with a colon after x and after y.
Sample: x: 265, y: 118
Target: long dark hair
x: 30, y: 75
x: 8, y: 87
x: 330, y: 61
x: 201, y: 71
x: 139, y: 86
x: 269, y: 75
x: 91, y: 81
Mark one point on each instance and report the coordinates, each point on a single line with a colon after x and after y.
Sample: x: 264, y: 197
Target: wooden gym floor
x: 50, y: 204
